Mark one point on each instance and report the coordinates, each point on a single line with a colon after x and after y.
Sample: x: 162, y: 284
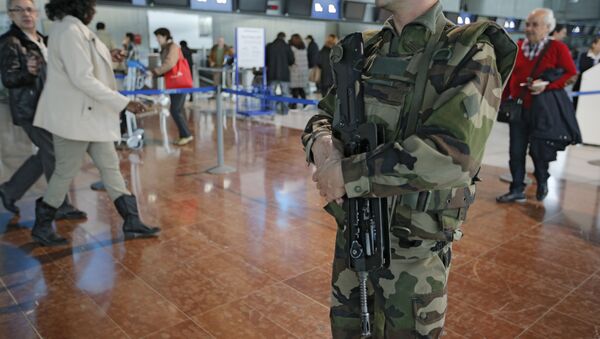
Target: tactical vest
x: 400, y: 90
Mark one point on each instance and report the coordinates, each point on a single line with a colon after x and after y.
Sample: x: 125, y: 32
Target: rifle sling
x: 421, y: 82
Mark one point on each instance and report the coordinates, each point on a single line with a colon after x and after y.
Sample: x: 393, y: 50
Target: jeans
x: 178, y: 114
x: 285, y: 91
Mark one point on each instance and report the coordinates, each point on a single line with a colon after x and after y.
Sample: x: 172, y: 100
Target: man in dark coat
x: 23, y: 56
x: 312, y: 51
x: 325, y: 65
x: 279, y: 59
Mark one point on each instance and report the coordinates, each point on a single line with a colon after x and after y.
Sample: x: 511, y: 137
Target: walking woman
x: 169, y: 55
x: 80, y: 107
x: 299, y: 70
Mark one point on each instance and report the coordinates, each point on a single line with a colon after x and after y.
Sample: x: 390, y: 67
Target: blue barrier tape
x: 136, y: 64
x: 170, y: 91
x: 272, y: 97
x: 579, y: 94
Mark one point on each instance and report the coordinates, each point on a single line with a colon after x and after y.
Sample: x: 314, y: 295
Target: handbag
x: 180, y: 75
x: 511, y: 110
x: 314, y: 75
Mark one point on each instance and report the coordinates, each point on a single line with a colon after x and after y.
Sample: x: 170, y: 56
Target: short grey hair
x: 549, y: 17
x: 10, y: 2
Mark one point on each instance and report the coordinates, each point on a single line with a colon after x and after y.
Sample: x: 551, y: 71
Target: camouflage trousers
x: 406, y: 300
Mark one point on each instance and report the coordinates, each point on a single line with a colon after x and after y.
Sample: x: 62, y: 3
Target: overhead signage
x: 212, y: 5
x: 326, y: 9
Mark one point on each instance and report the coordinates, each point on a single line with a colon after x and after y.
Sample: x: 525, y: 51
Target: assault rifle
x: 366, y: 226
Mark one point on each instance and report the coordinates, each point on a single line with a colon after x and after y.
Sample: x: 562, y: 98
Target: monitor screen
x: 172, y: 3
x: 354, y: 10
x: 212, y: 5
x: 298, y: 7
x: 139, y: 2
x: 326, y: 9
x: 383, y: 15
x: 591, y: 30
x: 258, y: 6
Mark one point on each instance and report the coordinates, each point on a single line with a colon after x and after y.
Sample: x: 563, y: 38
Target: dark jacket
x: 24, y: 88
x: 553, y: 116
x: 279, y: 59
x: 585, y: 63
x: 188, y: 55
x: 326, y: 72
x: 313, y: 54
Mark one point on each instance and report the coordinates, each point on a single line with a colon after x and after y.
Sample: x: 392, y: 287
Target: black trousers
x: 178, y: 114
x: 41, y: 163
x: 297, y: 93
x: 520, y: 136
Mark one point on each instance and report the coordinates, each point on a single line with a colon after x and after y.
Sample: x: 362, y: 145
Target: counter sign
x: 326, y: 9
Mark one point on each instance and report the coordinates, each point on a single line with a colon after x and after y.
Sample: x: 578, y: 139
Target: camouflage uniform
x: 428, y: 175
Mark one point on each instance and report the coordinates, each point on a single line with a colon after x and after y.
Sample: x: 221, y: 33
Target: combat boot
x: 133, y: 226
x: 42, y: 229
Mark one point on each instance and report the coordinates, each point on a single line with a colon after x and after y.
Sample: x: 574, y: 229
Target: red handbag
x: 180, y: 75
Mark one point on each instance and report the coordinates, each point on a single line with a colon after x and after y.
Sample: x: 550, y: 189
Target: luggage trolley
x: 135, y: 80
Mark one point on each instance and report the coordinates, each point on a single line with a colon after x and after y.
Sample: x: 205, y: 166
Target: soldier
x: 436, y: 89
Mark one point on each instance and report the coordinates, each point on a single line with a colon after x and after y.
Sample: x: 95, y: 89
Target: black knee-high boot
x: 42, y: 230
x: 133, y: 225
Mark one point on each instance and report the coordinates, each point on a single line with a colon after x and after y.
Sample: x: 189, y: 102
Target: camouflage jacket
x: 462, y: 95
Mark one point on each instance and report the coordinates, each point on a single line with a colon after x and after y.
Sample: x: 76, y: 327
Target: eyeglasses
x: 21, y: 11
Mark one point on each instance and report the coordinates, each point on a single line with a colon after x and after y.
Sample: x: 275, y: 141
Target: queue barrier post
x: 221, y: 168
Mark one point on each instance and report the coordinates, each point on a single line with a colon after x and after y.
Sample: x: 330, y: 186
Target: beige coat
x: 79, y: 101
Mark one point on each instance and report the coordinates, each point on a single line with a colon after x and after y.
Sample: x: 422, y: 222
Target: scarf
x: 531, y: 51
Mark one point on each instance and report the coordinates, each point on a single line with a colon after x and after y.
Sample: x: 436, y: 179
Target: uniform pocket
x: 383, y: 114
x: 429, y: 312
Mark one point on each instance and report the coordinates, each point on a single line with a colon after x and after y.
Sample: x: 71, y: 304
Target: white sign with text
x: 250, y: 47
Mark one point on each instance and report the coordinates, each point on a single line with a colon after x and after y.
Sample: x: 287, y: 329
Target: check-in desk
x: 588, y: 109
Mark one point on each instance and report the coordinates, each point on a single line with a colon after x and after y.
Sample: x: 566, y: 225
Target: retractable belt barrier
x: 272, y: 97
x: 170, y: 91
x: 221, y: 168
x: 579, y: 94
x: 225, y: 90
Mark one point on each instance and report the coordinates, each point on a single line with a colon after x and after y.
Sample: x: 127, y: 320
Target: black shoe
x: 512, y: 197
x: 542, y: 191
x: 42, y: 230
x: 9, y: 204
x: 133, y: 226
x: 69, y: 212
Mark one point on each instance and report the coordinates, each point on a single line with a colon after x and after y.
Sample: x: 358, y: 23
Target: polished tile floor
x: 246, y: 255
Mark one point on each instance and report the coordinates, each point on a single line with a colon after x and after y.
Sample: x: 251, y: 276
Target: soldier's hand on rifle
x: 325, y: 147
x: 330, y: 180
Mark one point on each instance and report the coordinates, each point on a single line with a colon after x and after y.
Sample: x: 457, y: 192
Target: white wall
x: 120, y: 20
x: 451, y: 5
